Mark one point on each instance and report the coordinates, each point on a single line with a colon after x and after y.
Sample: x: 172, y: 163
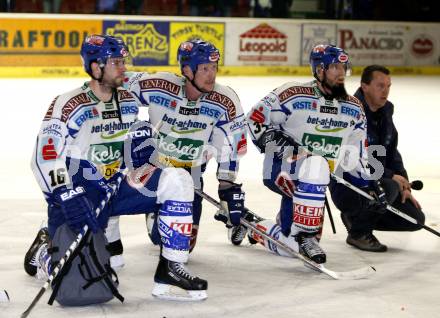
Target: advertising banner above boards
x: 213, y: 32
x: 33, y: 45
x: 153, y: 43
x: 262, y: 43
x: 43, y: 42
x: 391, y: 44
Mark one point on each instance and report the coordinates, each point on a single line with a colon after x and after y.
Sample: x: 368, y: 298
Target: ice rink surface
x: 244, y: 281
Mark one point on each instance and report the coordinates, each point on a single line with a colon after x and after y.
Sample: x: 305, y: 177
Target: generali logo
x: 263, y: 43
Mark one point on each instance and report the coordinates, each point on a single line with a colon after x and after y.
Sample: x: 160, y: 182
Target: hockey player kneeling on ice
x: 197, y: 119
x: 88, y: 136
x: 302, y: 128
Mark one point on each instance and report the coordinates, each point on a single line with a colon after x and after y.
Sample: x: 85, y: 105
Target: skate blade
x: 170, y: 292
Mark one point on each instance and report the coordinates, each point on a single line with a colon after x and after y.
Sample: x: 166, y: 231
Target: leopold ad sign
x: 263, y: 43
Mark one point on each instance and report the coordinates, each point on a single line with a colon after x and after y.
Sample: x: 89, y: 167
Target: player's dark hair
x: 367, y: 73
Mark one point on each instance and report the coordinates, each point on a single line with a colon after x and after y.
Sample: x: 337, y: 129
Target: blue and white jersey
x: 333, y: 129
x: 191, y: 132
x: 78, y: 125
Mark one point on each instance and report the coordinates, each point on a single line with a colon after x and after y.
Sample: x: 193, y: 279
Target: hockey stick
x: 388, y: 207
x: 74, y: 244
x: 330, y: 216
x: 350, y: 275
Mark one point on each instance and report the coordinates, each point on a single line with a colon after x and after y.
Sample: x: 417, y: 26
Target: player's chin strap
x: 192, y: 81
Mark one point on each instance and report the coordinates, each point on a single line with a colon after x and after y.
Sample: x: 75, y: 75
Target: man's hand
x: 76, y: 208
x: 402, y: 182
x: 407, y: 195
x: 232, y: 199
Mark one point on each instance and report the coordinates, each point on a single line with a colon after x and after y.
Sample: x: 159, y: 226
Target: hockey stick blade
x: 360, y: 273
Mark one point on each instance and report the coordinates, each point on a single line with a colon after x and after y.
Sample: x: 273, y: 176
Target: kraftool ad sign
x: 41, y: 42
x: 147, y: 41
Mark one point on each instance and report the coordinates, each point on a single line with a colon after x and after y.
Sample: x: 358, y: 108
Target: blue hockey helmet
x: 324, y: 55
x: 196, y: 52
x: 98, y: 48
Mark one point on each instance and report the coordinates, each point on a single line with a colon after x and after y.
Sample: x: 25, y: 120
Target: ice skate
x: 31, y: 258
x: 236, y: 234
x: 308, y: 246
x: 116, y: 250
x: 172, y: 281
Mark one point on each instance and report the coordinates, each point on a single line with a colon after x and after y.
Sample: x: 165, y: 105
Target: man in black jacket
x: 360, y: 216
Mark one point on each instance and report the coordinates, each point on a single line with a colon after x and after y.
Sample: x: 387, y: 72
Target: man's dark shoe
x: 367, y: 242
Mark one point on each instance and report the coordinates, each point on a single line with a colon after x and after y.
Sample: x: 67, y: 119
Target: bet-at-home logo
x: 142, y: 40
x: 325, y: 146
x: 180, y: 148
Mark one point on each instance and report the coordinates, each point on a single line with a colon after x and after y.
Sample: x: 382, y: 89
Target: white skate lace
x: 311, y: 247
x: 182, y: 271
x: 41, y: 260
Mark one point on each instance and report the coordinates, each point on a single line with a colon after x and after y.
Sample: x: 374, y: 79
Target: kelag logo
x: 326, y: 146
x: 146, y: 41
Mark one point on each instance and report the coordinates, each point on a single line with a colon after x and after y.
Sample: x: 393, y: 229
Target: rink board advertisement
x: 43, y: 42
x: 208, y: 31
x: 262, y: 43
x: 33, y: 45
x: 423, y: 45
x: 147, y: 41
x: 374, y: 44
x: 316, y: 33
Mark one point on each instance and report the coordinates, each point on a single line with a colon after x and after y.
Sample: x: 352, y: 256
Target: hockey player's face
x: 335, y: 74
x: 114, y: 72
x: 205, y: 76
x: 333, y: 80
x: 378, y: 90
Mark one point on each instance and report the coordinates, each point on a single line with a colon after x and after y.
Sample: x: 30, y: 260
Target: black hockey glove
x: 76, y: 208
x: 380, y: 204
x: 232, y: 199
x: 140, y: 145
x: 275, y: 140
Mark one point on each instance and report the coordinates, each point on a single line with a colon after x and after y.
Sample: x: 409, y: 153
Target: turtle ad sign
x: 262, y: 44
x: 208, y: 31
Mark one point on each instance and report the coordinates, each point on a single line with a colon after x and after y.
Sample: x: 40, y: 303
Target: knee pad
x: 175, y: 184
x: 314, y: 170
x: 175, y: 229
